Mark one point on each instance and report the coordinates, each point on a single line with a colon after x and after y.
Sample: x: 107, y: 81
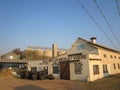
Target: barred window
x: 111, y: 56
x: 115, y: 57
x: 119, y: 57
x: 95, y: 69
x: 118, y: 66
x: 55, y: 69
x: 105, y: 70
x: 78, y: 67
x: 105, y: 55
x: 114, y: 66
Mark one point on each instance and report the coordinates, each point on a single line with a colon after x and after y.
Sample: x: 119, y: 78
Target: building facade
x: 47, y: 51
x: 88, y: 61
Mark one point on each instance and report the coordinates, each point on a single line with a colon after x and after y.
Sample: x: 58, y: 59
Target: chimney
x: 93, y: 39
x: 54, y: 50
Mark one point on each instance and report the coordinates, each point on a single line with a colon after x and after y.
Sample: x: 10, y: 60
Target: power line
x: 118, y: 8
x: 96, y: 23
x: 108, y: 24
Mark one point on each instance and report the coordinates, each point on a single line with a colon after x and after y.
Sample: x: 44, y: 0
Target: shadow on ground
x: 114, y: 76
x: 111, y: 82
x: 28, y: 87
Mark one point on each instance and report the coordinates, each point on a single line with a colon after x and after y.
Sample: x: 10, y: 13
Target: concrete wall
x: 50, y: 70
x: 104, y: 58
x: 110, y: 60
x: 40, y: 66
x: 85, y: 71
x: 91, y: 76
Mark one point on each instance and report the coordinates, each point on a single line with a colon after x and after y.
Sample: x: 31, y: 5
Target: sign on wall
x: 78, y: 67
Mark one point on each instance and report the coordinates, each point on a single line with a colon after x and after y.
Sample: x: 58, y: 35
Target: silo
x: 61, y: 52
x: 48, y: 53
x: 40, y: 52
x: 29, y: 49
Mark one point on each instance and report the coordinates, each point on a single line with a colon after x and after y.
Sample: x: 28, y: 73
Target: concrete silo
x: 61, y: 52
x: 54, y: 50
x: 40, y: 52
x: 48, y: 53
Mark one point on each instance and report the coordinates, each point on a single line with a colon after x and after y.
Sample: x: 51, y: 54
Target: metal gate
x: 64, y: 70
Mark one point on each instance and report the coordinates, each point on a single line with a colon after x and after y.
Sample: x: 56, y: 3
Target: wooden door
x: 64, y: 70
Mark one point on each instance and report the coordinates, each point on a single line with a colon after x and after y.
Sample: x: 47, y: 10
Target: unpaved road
x: 12, y: 83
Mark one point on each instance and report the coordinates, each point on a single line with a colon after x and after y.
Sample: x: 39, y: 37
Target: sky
x: 26, y: 23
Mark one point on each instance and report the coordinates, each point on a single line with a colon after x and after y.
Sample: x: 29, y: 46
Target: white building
x: 88, y: 61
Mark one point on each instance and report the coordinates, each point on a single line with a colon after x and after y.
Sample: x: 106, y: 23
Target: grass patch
x: 6, y: 72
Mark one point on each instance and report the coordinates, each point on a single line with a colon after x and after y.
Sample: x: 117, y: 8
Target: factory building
x: 84, y: 61
x: 47, y: 51
x: 88, y: 61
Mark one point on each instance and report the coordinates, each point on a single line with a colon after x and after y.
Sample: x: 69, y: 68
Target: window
x: 33, y: 69
x: 78, y: 67
x: 115, y: 57
x: 105, y: 70
x: 55, y: 69
x: 104, y: 55
x: 111, y: 56
x: 119, y: 57
x: 118, y: 66
x: 78, y: 57
x: 84, y: 56
x: 114, y: 66
x: 95, y: 69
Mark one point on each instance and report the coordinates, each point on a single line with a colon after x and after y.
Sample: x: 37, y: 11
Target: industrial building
x: 49, y: 66
x: 12, y: 61
x: 10, y: 55
x: 88, y: 61
x: 84, y: 61
x: 47, y: 51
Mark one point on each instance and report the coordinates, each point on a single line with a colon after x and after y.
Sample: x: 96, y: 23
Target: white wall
x: 50, y: 70
x: 93, y: 77
x: 37, y: 64
x: 85, y: 71
x: 110, y: 61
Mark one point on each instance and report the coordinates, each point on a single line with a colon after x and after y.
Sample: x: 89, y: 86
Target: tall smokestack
x: 54, y: 50
x: 93, y: 39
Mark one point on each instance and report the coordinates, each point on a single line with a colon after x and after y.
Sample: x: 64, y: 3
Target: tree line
x: 30, y: 54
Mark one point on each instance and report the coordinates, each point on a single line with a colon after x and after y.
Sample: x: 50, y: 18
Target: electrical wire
x: 96, y: 23
x: 106, y: 21
x: 118, y: 8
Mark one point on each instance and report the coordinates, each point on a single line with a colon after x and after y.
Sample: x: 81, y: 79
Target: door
x: 64, y: 70
x: 105, y: 70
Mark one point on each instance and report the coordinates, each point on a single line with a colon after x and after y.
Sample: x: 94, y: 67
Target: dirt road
x: 12, y: 83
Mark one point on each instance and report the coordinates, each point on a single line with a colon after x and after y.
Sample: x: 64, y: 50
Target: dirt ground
x: 13, y: 83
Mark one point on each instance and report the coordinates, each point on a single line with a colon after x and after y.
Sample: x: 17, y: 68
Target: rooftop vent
x: 93, y: 39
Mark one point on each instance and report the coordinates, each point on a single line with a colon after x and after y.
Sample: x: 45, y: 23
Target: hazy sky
x: 43, y: 22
